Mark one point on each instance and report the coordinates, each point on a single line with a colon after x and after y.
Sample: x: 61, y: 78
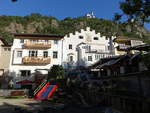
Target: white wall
x: 88, y: 39
x: 16, y: 64
x: 100, y: 45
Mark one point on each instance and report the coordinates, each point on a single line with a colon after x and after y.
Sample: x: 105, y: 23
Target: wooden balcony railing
x: 36, y: 60
x: 37, y: 44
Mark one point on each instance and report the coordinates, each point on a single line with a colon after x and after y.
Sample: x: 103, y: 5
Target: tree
x: 136, y: 10
x: 117, y: 17
x: 56, y: 72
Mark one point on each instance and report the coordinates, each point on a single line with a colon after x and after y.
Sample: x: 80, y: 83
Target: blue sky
x: 61, y: 8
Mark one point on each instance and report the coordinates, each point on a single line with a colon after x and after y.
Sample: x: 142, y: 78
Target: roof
x: 103, y: 60
x: 38, y: 35
x: 109, y: 62
x: 125, y: 39
x: 143, y: 47
x: 5, y: 42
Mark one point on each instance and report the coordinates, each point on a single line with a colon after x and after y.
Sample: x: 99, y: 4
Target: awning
x: 24, y: 82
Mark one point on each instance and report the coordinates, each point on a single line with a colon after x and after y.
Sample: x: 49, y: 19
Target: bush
x: 56, y: 72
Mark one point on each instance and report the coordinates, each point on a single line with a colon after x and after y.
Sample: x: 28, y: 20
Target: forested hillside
x: 36, y: 23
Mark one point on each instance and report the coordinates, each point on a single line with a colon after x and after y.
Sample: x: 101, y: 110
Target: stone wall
x: 7, y: 92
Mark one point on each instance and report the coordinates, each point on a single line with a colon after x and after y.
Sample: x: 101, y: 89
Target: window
x: 96, y: 57
x: 71, y: 58
x: 95, y: 38
x: 34, y: 40
x: 89, y: 48
x: 80, y: 37
x: 55, y: 54
x: 70, y: 46
x: 89, y: 58
x: 7, y: 49
x: 55, y: 41
x: 108, y: 47
x: 33, y: 53
x: 45, y: 54
x: 21, y: 40
x: 1, y: 72
x: 46, y: 41
x: 19, y: 53
x: 25, y: 73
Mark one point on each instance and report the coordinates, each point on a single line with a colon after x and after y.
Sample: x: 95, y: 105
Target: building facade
x: 37, y: 53
x: 5, y: 49
x: 122, y: 43
x: 34, y: 54
x: 85, y: 48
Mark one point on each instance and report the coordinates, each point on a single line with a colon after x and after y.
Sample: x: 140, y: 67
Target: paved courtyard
x: 8, y: 105
x: 33, y: 106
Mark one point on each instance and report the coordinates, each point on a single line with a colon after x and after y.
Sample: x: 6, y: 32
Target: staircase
x: 40, y: 87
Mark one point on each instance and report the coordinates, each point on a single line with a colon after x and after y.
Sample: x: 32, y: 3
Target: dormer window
x: 80, y: 37
x: 95, y: 38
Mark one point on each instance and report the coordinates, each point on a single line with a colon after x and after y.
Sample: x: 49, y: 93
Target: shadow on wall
x: 6, y: 80
x: 82, y: 62
x: 73, y: 65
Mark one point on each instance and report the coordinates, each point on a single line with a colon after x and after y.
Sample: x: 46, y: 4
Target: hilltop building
x: 90, y: 15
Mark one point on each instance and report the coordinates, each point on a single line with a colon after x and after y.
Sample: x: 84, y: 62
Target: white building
x: 85, y: 48
x: 121, y: 43
x: 34, y: 53
x: 37, y: 53
x: 90, y: 15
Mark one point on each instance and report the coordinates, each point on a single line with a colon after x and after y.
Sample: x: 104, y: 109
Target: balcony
x: 36, y: 60
x: 97, y: 51
x: 123, y: 47
x: 30, y: 44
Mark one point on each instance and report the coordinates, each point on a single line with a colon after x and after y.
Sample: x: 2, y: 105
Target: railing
x: 29, y: 44
x: 123, y: 47
x: 39, y: 87
x: 20, y: 78
x: 96, y: 51
x: 36, y: 60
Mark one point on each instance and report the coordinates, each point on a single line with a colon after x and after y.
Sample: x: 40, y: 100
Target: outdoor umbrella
x: 24, y: 82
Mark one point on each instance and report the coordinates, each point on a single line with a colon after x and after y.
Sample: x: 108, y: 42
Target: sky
x: 62, y: 8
